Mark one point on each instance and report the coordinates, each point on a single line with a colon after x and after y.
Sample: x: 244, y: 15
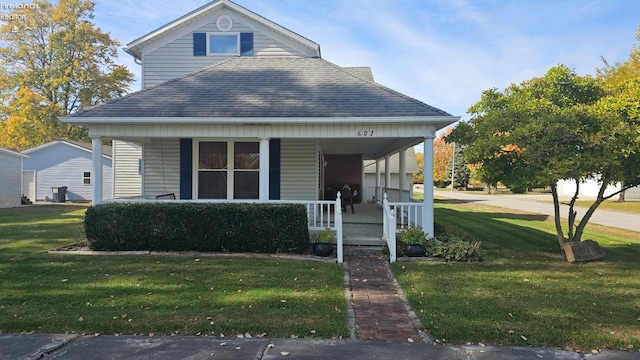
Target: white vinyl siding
x: 161, y: 167
x: 176, y: 58
x: 370, y: 180
x: 10, y: 179
x: 127, y: 181
x: 298, y: 170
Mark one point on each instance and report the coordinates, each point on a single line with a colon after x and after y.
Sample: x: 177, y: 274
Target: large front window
x: 228, y: 170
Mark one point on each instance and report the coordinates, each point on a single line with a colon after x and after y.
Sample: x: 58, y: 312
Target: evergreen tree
x: 459, y: 169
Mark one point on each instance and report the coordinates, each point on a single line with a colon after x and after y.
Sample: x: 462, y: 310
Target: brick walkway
x: 379, y: 311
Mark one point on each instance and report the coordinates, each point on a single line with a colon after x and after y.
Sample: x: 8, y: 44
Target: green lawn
x: 161, y: 295
x: 524, y: 293
x: 632, y: 207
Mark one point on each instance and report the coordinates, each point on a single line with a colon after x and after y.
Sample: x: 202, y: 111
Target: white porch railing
x: 397, y: 216
x: 372, y: 192
x: 407, y: 214
x: 389, y: 228
x: 321, y: 215
x: 396, y: 195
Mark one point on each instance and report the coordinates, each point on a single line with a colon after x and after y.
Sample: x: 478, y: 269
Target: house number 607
x: 365, y: 133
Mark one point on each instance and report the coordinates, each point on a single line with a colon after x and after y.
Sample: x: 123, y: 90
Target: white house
x: 10, y: 177
x: 589, y: 190
x: 64, y: 163
x: 393, y: 182
x: 237, y: 107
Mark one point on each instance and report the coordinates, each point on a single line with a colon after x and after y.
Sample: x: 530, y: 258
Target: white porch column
x: 387, y: 172
x: 402, y: 174
x: 264, y: 170
x: 96, y: 174
x: 377, y: 190
x: 427, y: 212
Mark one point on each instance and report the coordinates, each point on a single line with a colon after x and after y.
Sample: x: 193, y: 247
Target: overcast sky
x: 442, y: 52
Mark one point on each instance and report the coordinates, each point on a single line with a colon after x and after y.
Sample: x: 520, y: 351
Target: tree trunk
x: 589, y: 213
x: 556, y: 217
x: 571, y: 219
x: 621, y: 196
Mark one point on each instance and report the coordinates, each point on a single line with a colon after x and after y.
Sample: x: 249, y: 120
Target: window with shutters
x: 228, y: 170
x: 222, y: 43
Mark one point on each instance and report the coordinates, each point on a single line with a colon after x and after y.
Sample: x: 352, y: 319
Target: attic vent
x: 224, y: 23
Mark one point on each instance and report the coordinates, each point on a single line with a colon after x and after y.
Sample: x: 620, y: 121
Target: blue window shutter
x: 246, y: 44
x: 199, y: 44
x: 186, y: 168
x: 274, y: 169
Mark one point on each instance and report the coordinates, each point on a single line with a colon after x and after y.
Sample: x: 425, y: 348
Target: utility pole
x: 453, y: 165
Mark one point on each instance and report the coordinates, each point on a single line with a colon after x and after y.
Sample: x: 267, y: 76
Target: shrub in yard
x: 261, y: 228
x: 448, y: 243
x: 453, y: 245
x: 459, y: 251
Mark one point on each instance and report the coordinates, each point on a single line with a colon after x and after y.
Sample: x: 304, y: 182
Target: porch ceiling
x: 370, y: 148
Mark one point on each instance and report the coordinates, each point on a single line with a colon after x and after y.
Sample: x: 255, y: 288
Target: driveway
x: 541, y: 204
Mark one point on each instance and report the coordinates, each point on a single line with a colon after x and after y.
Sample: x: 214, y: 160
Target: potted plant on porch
x: 414, y: 240
x: 322, y: 243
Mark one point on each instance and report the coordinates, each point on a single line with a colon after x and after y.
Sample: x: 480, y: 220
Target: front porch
x: 371, y: 224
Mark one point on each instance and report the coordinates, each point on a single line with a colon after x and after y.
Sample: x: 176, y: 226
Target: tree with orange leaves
x: 561, y: 126
x: 442, y: 153
x: 54, y: 61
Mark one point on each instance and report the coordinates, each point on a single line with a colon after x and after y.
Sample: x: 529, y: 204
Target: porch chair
x: 346, y: 197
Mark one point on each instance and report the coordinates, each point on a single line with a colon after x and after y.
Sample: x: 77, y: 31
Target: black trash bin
x: 62, y: 193
x: 59, y: 194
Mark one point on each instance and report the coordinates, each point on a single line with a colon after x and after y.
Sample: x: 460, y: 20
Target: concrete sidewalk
x: 41, y: 346
x: 542, y: 204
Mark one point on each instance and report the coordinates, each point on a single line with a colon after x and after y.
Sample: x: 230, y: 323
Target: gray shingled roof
x: 361, y: 71
x: 266, y: 87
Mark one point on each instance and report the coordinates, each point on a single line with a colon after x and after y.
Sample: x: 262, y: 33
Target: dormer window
x: 223, y: 43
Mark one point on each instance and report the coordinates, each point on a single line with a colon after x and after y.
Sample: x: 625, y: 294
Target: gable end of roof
x: 107, y: 151
x: 135, y: 47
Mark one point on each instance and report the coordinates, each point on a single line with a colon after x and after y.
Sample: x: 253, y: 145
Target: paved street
x: 72, y: 347
x: 542, y: 204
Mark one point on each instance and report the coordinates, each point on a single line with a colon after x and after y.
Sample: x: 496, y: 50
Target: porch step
x: 362, y: 230
x: 363, y: 241
x: 359, y: 250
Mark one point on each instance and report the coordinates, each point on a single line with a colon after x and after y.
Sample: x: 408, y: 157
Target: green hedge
x: 257, y: 228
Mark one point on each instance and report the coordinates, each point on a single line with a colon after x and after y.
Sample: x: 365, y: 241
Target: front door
x: 341, y: 171
x: 29, y: 184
